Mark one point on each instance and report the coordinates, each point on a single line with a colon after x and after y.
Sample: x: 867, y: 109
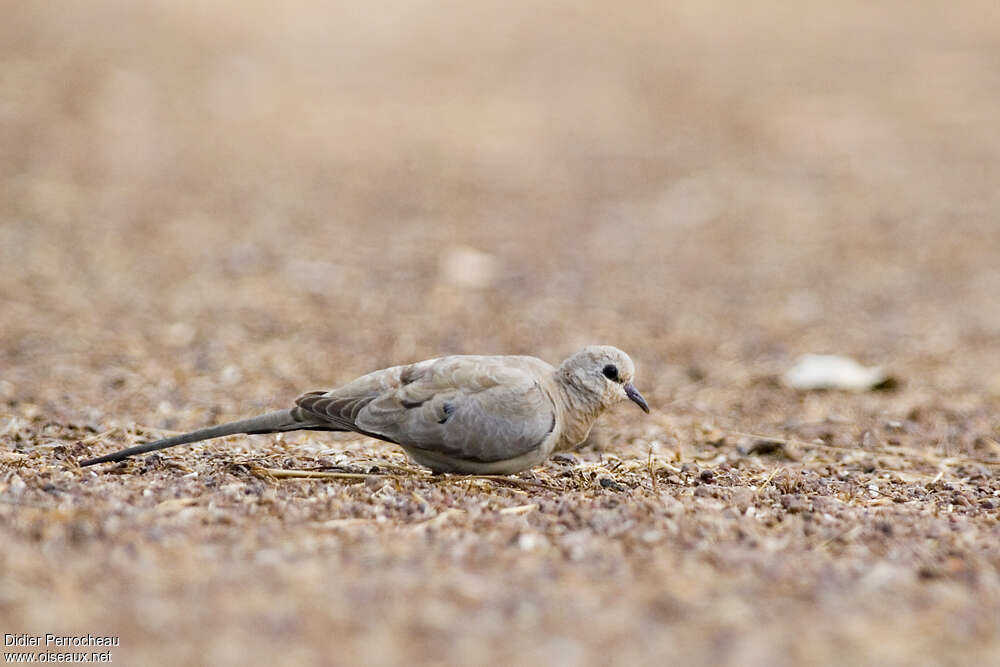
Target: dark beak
x: 634, y: 396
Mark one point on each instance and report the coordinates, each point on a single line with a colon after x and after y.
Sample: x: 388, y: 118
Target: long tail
x: 273, y: 422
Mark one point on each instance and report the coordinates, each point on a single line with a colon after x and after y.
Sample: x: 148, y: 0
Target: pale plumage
x: 468, y: 414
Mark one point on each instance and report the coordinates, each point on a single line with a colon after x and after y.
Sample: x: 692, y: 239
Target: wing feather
x: 468, y: 408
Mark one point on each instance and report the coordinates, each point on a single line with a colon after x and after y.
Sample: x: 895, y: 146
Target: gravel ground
x: 210, y: 208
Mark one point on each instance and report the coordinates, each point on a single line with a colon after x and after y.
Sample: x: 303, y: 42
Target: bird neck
x: 581, y: 408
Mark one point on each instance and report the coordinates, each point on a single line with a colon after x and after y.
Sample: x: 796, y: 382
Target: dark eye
x: 611, y: 372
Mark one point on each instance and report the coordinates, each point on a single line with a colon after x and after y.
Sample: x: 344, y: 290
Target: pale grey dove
x: 462, y: 414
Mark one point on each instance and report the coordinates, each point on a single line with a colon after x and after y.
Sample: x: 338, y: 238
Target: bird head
x: 606, y: 373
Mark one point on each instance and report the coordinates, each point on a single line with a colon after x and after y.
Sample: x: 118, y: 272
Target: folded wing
x: 468, y: 408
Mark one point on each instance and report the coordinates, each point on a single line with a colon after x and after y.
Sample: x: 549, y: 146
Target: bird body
x: 464, y: 414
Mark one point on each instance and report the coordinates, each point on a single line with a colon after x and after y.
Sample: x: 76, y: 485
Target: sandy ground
x: 210, y: 208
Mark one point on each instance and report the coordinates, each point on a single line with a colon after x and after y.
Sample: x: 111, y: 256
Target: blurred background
x: 207, y: 208
x: 311, y: 192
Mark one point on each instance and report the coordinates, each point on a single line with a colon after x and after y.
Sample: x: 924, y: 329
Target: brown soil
x: 208, y: 210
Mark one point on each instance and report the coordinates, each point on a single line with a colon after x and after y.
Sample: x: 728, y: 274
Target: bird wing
x: 470, y: 408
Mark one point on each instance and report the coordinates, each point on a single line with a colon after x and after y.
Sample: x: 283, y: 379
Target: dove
x: 457, y: 414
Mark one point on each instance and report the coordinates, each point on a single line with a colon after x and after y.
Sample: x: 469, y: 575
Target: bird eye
x: 611, y: 372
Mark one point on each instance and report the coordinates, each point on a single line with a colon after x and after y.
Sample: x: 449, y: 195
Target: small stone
x: 827, y: 371
x: 609, y: 483
x: 767, y: 447
x: 743, y: 499
x: 16, y: 486
x: 795, y: 503
x: 468, y: 267
x: 531, y: 541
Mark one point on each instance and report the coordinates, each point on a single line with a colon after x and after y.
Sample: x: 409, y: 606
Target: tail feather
x: 272, y: 422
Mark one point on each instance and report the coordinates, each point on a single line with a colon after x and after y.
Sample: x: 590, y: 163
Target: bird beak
x: 634, y: 396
